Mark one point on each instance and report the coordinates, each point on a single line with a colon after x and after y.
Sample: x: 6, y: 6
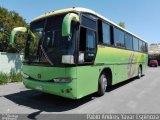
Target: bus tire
x: 139, y: 72
x: 102, y: 84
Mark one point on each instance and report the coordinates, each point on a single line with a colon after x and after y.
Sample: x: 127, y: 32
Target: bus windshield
x: 49, y: 46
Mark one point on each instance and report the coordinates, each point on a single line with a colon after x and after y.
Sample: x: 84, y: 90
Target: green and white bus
x: 75, y: 52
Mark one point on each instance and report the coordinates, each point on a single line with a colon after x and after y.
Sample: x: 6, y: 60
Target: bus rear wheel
x: 139, y: 73
x: 102, y: 85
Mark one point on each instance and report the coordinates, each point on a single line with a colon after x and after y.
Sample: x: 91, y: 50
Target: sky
x: 141, y: 17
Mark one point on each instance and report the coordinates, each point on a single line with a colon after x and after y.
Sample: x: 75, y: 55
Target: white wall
x: 10, y: 62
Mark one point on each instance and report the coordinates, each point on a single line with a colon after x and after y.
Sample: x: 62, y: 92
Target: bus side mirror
x: 19, y: 29
x: 66, y: 25
x: 14, y: 31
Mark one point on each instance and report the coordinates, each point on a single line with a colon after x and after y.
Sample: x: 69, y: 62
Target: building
x: 154, y: 52
x: 154, y: 49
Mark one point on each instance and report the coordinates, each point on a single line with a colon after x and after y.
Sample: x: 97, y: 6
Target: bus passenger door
x: 87, y: 46
x: 87, y: 74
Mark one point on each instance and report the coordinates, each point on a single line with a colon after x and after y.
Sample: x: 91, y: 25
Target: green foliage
x: 4, y: 78
x: 122, y: 24
x: 8, y: 21
x: 7, y: 78
x: 16, y: 77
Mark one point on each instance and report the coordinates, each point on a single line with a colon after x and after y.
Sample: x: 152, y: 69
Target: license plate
x: 39, y: 88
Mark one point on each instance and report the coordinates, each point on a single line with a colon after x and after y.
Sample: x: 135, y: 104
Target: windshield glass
x: 49, y: 47
x: 32, y: 45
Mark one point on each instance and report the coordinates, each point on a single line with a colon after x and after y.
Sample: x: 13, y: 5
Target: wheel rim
x: 104, y: 79
x: 139, y: 72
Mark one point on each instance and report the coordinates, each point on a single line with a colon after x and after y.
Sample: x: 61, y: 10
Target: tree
x: 122, y: 24
x: 8, y: 21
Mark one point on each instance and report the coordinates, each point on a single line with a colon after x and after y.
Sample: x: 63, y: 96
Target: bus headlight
x: 24, y: 75
x: 62, y: 80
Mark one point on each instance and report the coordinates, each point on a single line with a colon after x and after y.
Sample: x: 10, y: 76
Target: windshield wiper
x: 45, y: 54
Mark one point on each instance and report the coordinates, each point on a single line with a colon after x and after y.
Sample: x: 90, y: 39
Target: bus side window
x: 140, y: 46
x: 104, y: 33
x: 129, y: 41
x: 135, y: 44
x: 119, y: 38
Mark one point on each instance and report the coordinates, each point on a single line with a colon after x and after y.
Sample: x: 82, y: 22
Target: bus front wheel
x: 102, y: 85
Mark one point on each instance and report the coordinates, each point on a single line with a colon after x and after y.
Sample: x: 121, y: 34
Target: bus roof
x: 78, y: 9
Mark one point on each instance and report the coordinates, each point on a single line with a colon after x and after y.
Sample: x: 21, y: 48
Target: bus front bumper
x: 67, y: 90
